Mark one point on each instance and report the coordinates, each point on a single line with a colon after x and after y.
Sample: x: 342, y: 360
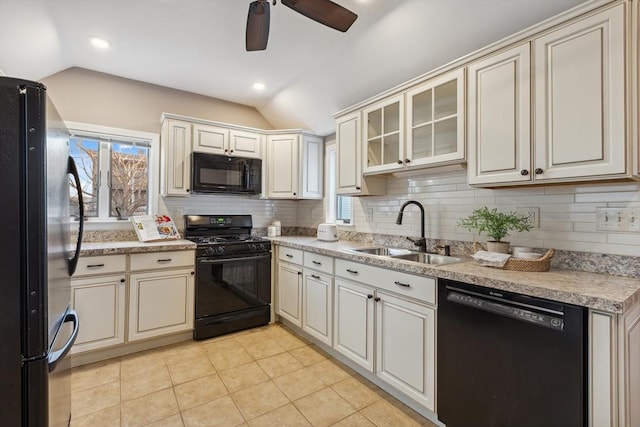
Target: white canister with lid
x: 271, y: 231
x: 278, y: 226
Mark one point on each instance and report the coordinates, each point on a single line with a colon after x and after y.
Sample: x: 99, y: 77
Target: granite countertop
x: 604, y: 292
x: 130, y: 247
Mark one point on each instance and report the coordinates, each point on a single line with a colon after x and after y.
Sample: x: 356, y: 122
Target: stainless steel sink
x: 428, y: 258
x: 390, y: 252
x: 409, y: 255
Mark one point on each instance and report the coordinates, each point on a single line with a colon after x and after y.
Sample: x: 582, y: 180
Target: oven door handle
x: 249, y: 258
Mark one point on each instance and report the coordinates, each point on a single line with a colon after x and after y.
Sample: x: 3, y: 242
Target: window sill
x: 104, y: 224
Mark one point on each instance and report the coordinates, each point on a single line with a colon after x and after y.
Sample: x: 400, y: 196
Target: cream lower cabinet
x: 385, y: 332
x: 290, y: 293
x: 317, y: 305
x: 100, y: 304
x: 154, y: 290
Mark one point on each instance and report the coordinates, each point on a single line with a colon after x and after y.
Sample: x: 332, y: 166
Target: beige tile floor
x: 261, y: 377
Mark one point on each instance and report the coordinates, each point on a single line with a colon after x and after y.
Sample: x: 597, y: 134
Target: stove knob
x: 219, y: 250
x: 261, y: 247
x: 252, y: 247
x: 209, y: 251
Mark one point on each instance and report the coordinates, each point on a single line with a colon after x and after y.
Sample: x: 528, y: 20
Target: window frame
x: 153, y: 170
x: 331, y: 203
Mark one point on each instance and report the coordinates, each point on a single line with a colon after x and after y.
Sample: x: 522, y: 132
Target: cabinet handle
x: 524, y: 172
x: 376, y: 299
x: 369, y: 296
x: 404, y: 285
x: 288, y: 255
x: 299, y: 273
x: 407, y: 160
x: 399, y: 162
x: 315, y: 276
x: 316, y: 262
x: 352, y: 271
x: 538, y: 171
x: 358, y: 188
x: 95, y: 265
x: 122, y: 280
x: 165, y: 260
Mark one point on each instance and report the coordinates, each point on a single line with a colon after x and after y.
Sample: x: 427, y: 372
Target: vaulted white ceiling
x: 310, y: 71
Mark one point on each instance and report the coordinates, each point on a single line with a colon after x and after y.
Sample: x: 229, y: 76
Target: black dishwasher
x: 506, y: 359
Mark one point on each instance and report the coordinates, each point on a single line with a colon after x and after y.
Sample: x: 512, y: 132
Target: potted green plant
x: 496, y: 224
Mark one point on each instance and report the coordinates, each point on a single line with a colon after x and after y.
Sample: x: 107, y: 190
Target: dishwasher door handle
x: 502, y: 307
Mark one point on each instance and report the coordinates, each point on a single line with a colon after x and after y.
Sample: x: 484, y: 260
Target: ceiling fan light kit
x: 324, y: 12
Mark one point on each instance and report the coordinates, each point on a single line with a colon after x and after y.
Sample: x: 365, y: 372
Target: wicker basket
x: 521, y: 264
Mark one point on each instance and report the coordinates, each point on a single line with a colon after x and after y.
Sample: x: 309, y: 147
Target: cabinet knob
x: 187, y: 190
x: 358, y: 188
x: 193, y: 272
x: 407, y: 160
x: 369, y: 296
x: 399, y: 162
x: 524, y: 172
x: 299, y: 273
x: 538, y: 171
x: 294, y: 194
x: 122, y: 280
x: 226, y: 150
x: 232, y: 151
x: 376, y: 299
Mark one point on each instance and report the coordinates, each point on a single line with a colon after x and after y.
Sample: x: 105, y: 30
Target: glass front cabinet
x: 430, y: 133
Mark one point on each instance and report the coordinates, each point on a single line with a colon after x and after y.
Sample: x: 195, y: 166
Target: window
x: 116, y: 168
x: 339, y: 208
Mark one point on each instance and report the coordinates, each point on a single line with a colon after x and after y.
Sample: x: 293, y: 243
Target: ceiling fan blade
x: 257, y: 34
x: 325, y: 12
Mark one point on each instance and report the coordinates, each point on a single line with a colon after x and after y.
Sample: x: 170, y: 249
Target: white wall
x: 567, y: 212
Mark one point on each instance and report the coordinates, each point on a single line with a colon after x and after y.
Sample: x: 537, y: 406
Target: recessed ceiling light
x: 99, y: 43
x: 258, y: 86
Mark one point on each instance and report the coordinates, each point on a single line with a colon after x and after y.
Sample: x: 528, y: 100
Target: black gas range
x: 233, y: 274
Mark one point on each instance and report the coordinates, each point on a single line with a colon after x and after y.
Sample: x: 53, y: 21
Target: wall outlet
x: 532, y: 214
x: 368, y: 214
x: 274, y: 213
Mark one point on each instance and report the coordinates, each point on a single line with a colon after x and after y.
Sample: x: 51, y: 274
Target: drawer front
x: 419, y: 287
x: 318, y: 262
x: 102, y: 264
x: 290, y: 255
x: 155, y: 260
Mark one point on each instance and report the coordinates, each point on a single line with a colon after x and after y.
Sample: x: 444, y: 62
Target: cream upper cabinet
x: 225, y: 141
x: 383, y: 135
x: 312, y: 167
x: 435, y: 121
x: 499, y: 117
x: 245, y: 144
x: 176, y: 158
x: 349, y: 179
x: 295, y: 166
x: 283, y: 166
x: 579, y: 93
x: 210, y: 139
x: 577, y: 82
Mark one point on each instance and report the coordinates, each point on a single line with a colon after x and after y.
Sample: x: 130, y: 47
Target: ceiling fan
x: 325, y: 12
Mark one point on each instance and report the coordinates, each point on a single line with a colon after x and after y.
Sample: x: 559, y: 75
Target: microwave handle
x: 245, y: 176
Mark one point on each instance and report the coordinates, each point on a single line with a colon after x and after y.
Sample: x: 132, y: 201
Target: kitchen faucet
x: 421, y: 243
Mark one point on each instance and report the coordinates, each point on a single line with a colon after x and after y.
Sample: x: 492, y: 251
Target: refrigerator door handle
x: 73, y: 170
x: 56, y: 356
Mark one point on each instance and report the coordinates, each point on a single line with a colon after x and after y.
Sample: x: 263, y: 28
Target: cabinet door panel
x: 405, y: 343
x: 210, y: 139
x: 176, y: 149
x: 317, y: 306
x: 290, y: 293
x: 580, y: 98
x: 353, y: 322
x: 160, y: 303
x: 349, y: 158
x: 283, y: 166
x: 499, y: 118
x: 100, y: 303
x: 244, y: 144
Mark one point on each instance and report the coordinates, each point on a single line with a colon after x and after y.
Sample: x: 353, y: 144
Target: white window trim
x: 154, y: 168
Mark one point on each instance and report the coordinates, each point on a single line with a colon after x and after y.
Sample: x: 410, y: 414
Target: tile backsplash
x: 568, y: 213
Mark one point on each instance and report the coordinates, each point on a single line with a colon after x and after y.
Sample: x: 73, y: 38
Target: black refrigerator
x: 37, y: 325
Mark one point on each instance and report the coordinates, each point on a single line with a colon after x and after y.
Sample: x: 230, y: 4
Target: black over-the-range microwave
x: 211, y: 173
